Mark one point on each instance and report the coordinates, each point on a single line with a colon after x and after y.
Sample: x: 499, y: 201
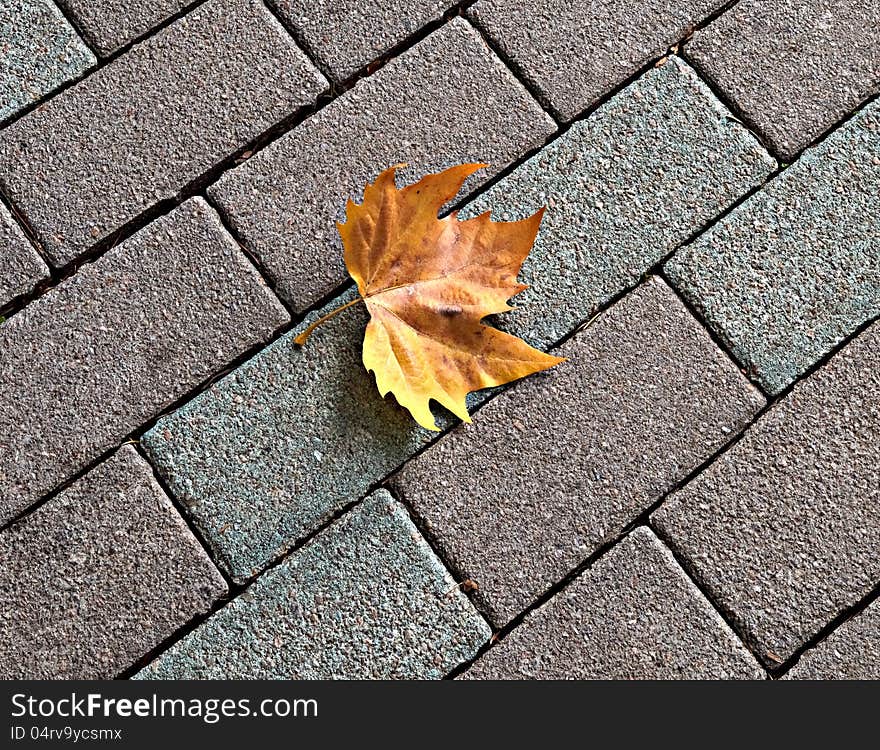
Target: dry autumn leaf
x: 428, y: 283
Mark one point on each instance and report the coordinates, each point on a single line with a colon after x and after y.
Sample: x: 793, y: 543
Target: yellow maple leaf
x: 428, y: 283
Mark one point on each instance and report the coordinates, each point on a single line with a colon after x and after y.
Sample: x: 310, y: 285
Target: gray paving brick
x: 122, y: 339
x: 41, y: 51
x: 557, y: 466
x: 21, y: 267
x: 784, y: 528
x: 634, y: 615
x: 793, y: 67
x: 796, y: 268
x: 98, y: 576
x: 345, y: 35
x: 623, y: 189
x: 140, y: 129
x: 446, y: 101
x: 272, y: 451
x: 574, y: 52
x: 367, y: 598
x: 111, y: 24
x: 852, y: 652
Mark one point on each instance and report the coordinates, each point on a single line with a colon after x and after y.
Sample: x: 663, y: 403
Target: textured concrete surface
x: 784, y: 529
x: 558, y: 465
x: 345, y: 35
x: 21, y: 267
x: 852, y: 652
x: 793, y: 67
x: 623, y: 189
x: 98, y: 576
x: 446, y: 101
x: 118, y: 342
x: 40, y: 52
x: 633, y: 615
x: 574, y: 52
x: 142, y: 128
x: 273, y: 450
x: 366, y: 599
x: 796, y: 268
x: 111, y: 24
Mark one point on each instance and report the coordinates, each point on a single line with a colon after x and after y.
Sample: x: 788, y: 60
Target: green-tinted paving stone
x: 367, y: 598
x: 623, y: 188
x: 39, y: 51
x: 278, y: 446
x: 796, y: 268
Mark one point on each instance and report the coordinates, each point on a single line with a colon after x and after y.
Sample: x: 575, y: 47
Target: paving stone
x: 345, y: 35
x: 21, y: 267
x: 366, y: 599
x: 784, y: 528
x: 558, y: 466
x: 272, y: 451
x: 446, y: 101
x: 793, y: 67
x: 623, y: 189
x: 152, y: 121
x: 121, y: 340
x: 98, y: 576
x: 796, y: 268
x: 41, y: 51
x: 574, y: 52
x: 634, y: 615
x: 111, y: 24
x: 852, y: 652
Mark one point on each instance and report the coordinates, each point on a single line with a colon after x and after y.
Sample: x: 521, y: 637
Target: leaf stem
x: 301, y: 339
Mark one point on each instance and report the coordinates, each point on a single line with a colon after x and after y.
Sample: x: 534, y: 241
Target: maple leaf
x: 428, y: 283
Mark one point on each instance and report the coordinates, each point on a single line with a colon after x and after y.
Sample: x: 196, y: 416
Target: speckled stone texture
x: 21, y: 267
x: 623, y: 189
x: 366, y: 599
x: 557, y: 466
x: 852, y: 652
x: 98, y: 576
x: 793, y: 67
x: 446, y: 101
x: 111, y: 24
x: 345, y: 35
x: 796, y: 268
x: 142, y: 128
x: 40, y: 52
x: 574, y: 52
x: 634, y: 615
x: 272, y: 451
x: 112, y: 346
x: 784, y: 529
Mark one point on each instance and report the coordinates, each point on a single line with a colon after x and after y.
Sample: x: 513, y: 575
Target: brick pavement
x: 692, y: 494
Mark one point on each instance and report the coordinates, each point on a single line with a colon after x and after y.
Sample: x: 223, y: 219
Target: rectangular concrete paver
x: 622, y: 188
x: 366, y: 599
x: 98, y: 576
x: 345, y: 35
x: 633, y: 615
x: 851, y: 652
x: 558, y: 465
x: 796, y: 268
x: 125, y: 337
x: 39, y: 51
x: 21, y: 267
x: 784, y: 529
x: 160, y: 116
x: 793, y: 67
x: 272, y: 451
x: 446, y: 101
x: 574, y: 52
x: 111, y: 24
